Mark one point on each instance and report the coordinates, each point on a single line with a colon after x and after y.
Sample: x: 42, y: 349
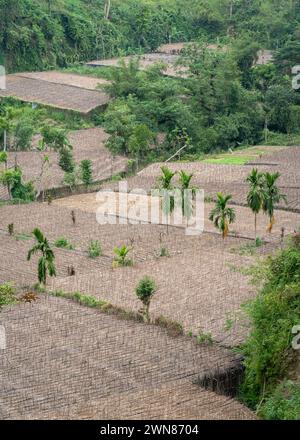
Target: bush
x: 66, y: 161
x: 23, y: 136
x: 7, y: 295
x: 86, y: 172
x: 70, y: 179
x: 268, y: 350
x: 284, y: 403
x: 94, y: 249
x: 63, y: 243
x: 144, y: 291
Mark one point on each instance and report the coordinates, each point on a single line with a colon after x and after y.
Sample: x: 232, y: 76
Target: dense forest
x: 39, y: 34
x: 226, y: 101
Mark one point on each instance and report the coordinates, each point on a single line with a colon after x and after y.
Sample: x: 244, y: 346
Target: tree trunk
x: 9, y: 191
x: 5, y: 140
x: 146, y: 311
x: 266, y: 129
x: 255, y: 225
x: 107, y: 9
x: 231, y: 10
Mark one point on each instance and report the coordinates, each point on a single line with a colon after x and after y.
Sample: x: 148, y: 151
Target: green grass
x: 23, y: 237
x: 281, y: 139
x: 96, y: 72
x: 240, y: 156
x: 63, y: 243
x: 229, y: 160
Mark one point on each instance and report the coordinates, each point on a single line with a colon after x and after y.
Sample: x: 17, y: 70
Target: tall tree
x: 272, y: 197
x: 168, y: 199
x: 186, y: 193
x: 255, y: 197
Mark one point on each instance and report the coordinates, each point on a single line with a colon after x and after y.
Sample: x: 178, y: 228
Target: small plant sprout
x: 63, y: 243
x: 145, y: 291
x: 121, y: 257
x: 204, y: 338
x: 94, y: 249
x: 163, y: 252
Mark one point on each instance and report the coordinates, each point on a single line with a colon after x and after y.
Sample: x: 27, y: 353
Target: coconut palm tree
x: 255, y: 197
x: 46, y: 261
x: 121, y: 256
x: 272, y: 197
x: 165, y: 180
x: 185, y: 186
x: 168, y: 199
x: 222, y: 216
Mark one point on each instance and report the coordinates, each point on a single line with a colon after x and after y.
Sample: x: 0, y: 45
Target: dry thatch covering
x: 67, y: 361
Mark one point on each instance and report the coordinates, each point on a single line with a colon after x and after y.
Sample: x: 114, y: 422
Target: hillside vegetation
x: 39, y: 34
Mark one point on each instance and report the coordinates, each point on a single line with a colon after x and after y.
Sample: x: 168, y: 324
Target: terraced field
x: 214, y: 177
x: 67, y: 361
x: 61, y: 96
x: 94, y: 365
x: 145, y: 61
x: 87, y: 144
x: 209, y: 289
x: 70, y: 79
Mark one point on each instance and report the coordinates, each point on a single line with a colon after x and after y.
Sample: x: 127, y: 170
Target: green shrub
x: 7, y: 295
x: 66, y: 161
x: 276, y: 310
x: 284, y: 403
x: 164, y: 252
x: 173, y: 328
x: 86, y: 172
x: 23, y: 136
x: 63, y: 243
x: 204, y: 338
x: 70, y: 179
x: 94, y: 249
x: 144, y: 291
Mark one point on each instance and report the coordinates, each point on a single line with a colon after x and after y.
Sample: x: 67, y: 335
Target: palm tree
x: 255, y: 197
x: 185, y: 185
x: 121, y: 256
x: 272, y: 197
x: 168, y: 200
x: 46, y: 261
x: 166, y: 178
x: 222, y: 216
